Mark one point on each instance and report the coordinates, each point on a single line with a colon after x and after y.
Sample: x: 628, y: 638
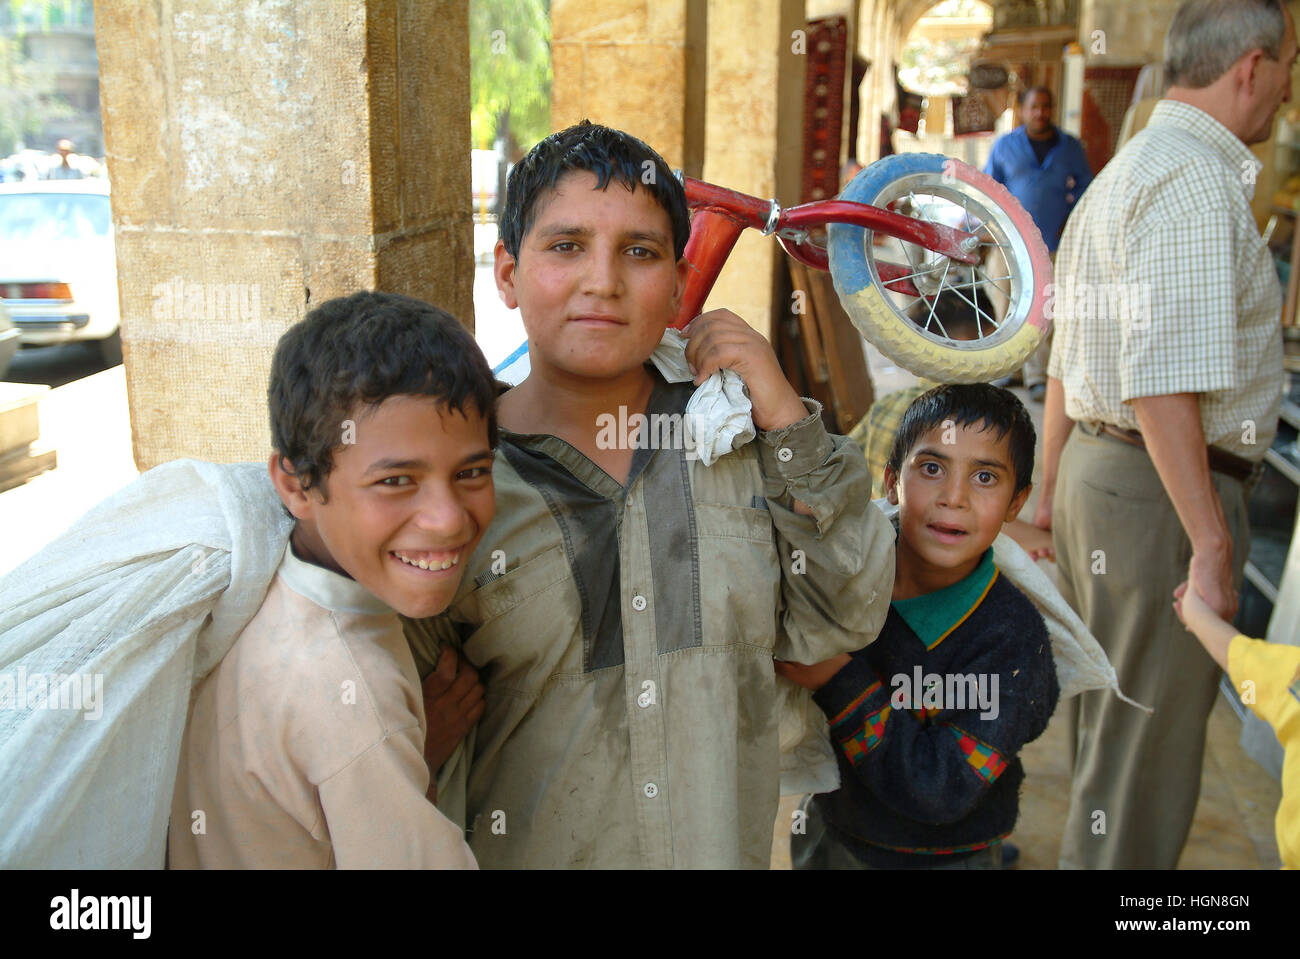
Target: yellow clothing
x: 1274, y: 671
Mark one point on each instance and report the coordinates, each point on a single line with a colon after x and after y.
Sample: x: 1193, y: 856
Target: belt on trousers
x: 1221, y: 461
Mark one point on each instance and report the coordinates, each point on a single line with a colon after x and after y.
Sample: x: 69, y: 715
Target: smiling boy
x: 305, y: 747
x: 929, y: 719
x: 625, y: 607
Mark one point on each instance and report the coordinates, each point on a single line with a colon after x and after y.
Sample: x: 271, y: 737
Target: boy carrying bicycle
x: 625, y: 609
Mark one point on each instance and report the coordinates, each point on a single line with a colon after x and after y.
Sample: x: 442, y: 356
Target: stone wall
x: 265, y: 158
x: 754, y: 138
x: 1133, y: 32
x: 635, y: 65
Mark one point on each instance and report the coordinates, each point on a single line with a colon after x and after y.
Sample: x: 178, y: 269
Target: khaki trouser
x: 1121, y: 551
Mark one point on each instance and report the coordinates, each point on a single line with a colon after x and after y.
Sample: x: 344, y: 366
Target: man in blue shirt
x: 1046, y: 170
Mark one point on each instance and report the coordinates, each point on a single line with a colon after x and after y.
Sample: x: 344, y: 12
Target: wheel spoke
x: 1006, y: 293
x: 918, y: 269
x: 926, y: 272
x: 989, y: 279
x: 979, y: 326
x: 947, y: 263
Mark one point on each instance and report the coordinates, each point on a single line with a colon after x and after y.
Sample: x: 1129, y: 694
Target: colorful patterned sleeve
x: 856, y: 704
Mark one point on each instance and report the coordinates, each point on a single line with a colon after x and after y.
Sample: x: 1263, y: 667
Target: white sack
x: 147, y: 591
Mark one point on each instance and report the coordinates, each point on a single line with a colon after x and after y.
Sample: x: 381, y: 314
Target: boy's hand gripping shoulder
x: 428, y: 638
x: 837, y: 554
x: 936, y: 766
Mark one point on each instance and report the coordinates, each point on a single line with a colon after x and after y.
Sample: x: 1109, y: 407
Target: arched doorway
x: 934, y: 62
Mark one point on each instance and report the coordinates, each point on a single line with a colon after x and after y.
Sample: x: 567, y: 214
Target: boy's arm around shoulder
x: 427, y: 638
x: 837, y: 564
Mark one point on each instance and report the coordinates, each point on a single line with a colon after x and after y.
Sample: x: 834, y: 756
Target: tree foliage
x: 27, y: 92
x: 510, y: 70
x: 27, y: 98
x: 938, y: 67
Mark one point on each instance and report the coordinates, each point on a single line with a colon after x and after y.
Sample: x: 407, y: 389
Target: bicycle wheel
x: 970, y: 324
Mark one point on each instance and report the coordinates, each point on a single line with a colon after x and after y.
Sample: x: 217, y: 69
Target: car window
x: 54, y: 216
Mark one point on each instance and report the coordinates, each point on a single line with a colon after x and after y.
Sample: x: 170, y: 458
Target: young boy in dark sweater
x: 929, y: 719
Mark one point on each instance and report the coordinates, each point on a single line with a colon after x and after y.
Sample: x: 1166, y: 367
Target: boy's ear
x: 891, y: 486
x: 1018, y: 502
x: 503, y: 270
x: 679, y: 288
x: 295, y: 499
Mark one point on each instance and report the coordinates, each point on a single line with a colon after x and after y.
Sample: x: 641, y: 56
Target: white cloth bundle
x: 141, y: 598
x: 720, y: 413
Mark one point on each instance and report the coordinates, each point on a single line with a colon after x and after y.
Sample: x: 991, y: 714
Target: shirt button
x: 651, y: 790
x: 785, y: 454
x: 638, y: 602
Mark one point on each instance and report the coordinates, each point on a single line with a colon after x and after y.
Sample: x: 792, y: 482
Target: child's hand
x: 1191, y: 610
x: 720, y: 340
x: 1033, y: 540
x: 1196, y: 614
x: 812, y: 677
x: 453, y: 703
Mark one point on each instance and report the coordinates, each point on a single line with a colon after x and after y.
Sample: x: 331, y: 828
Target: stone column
x: 635, y: 65
x: 264, y: 158
x: 753, y: 138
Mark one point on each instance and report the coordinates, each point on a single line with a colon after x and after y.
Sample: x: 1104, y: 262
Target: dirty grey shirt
x: 625, y: 638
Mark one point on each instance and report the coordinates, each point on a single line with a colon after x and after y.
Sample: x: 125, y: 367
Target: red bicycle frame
x: 721, y: 215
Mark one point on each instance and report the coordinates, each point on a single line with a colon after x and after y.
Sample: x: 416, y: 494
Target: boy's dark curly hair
x: 609, y: 154
x: 362, y: 349
x: 970, y: 404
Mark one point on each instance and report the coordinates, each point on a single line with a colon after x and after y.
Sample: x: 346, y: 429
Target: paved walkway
x: 87, y: 422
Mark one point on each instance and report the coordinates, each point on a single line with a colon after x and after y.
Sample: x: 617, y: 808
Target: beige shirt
x: 305, y: 746
x: 1164, y: 285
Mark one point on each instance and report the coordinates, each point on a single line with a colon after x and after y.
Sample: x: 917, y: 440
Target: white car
x: 58, y: 266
